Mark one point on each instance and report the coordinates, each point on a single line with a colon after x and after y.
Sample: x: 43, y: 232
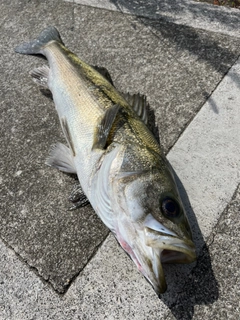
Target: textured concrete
x: 204, y: 297
x: 185, y: 12
x: 177, y: 67
x: 34, y: 217
x: 207, y: 154
x: 109, y: 288
x: 118, y: 291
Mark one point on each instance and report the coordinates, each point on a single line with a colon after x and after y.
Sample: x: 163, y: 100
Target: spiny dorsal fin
x: 105, y: 126
x: 40, y: 75
x: 60, y: 157
x: 139, y: 105
x: 104, y: 72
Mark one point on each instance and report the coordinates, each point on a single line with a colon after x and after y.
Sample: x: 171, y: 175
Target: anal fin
x: 40, y: 75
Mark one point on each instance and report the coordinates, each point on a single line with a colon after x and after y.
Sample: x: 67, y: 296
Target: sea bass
x: 120, y: 165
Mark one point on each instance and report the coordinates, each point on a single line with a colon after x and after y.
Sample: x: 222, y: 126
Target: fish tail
x: 36, y: 46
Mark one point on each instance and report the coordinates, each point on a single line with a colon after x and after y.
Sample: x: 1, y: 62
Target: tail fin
x: 35, y: 46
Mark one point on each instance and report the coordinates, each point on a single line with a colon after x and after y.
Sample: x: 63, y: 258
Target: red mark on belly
x: 129, y: 250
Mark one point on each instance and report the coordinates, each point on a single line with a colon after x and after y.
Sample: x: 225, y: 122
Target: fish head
x: 153, y: 228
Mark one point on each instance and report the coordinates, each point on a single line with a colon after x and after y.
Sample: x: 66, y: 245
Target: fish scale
x: 77, y: 96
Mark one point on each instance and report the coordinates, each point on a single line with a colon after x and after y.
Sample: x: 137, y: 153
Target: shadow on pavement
x: 197, y: 285
x: 199, y: 43
x: 201, y: 288
x: 200, y: 285
x: 159, y: 9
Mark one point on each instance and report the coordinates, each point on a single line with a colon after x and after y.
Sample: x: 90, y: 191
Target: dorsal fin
x: 139, y: 105
x: 104, y: 72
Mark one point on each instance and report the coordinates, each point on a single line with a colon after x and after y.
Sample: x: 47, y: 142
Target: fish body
x: 121, y: 167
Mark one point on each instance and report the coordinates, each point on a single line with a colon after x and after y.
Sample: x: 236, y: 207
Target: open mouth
x: 166, y: 248
x: 171, y: 256
x: 156, y: 247
x: 172, y: 248
x: 161, y: 256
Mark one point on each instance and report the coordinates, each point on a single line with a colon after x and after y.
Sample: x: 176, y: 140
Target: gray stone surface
x: 205, y: 155
x: 116, y: 292
x: 34, y: 216
x: 177, y: 67
x: 185, y: 12
x: 119, y: 292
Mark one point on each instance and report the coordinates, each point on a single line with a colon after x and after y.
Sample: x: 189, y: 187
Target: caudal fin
x: 35, y: 46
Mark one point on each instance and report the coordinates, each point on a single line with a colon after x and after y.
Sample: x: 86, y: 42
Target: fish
x: 121, y: 167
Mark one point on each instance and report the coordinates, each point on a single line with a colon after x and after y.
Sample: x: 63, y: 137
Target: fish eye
x: 170, y: 208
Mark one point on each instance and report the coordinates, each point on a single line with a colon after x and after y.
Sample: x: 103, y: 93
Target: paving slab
x: 185, y: 12
x: 119, y: 292
x: 206, y: 153
x: 178, y: 75
x: 35, y: 220
x: 110, y: 286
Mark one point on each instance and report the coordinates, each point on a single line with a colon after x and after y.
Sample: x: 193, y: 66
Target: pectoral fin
x: 104, y: 127
x: 67, y: 134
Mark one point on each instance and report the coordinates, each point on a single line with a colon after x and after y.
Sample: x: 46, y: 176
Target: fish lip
x: 185, y: 247
x: 161, y: 241
x: 159, y: 284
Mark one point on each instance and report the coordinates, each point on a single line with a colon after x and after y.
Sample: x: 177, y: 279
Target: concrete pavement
x: 57, y: 264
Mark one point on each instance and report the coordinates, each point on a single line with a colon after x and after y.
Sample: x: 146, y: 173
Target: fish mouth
x: 172, y: 249
x: 154, y: 245
x: 166, y: 249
